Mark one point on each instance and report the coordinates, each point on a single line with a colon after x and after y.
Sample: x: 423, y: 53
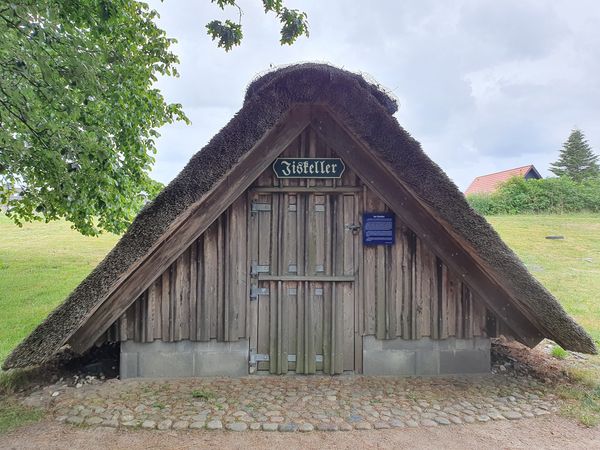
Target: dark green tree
x: 79, y: 110
x: 576, y: 160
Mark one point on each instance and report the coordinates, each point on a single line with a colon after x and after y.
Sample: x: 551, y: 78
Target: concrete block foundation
x: 184, y: 359
x: 425, y: 356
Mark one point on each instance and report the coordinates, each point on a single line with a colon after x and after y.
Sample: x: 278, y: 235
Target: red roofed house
x: 486, y: 184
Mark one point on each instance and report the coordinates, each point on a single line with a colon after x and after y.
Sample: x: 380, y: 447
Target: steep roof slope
x: 486, y: 184
x: 367, y: 111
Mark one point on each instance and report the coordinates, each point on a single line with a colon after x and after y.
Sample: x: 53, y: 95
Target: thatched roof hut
x: 355, y: 118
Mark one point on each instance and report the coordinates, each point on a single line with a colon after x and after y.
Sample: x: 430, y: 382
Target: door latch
x: 352, y: 227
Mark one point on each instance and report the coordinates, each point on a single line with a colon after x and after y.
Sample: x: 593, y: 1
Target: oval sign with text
x: 308, y: 167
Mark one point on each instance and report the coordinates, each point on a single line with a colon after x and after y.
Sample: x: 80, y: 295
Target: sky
x: 483, y: 85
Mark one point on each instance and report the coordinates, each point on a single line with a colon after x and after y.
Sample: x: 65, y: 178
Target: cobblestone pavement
x: 300, y: 403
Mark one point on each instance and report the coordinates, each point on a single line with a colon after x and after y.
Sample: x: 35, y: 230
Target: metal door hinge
x: 255, y: 291
x: 257, y: 268
x: 257, y: 357
x: 256, y: 207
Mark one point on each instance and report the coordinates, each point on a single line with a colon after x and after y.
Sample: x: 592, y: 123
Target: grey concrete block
x: 389, y: 363
x: 170, y: 365
x: 210, y: 364
x: 184, y: 359
x: 425, y: 356
x: 427, y: 362
x: 128, y: 367
x: 465, y: 361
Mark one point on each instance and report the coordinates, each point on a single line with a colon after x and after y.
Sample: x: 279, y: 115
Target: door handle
x: 352, y: 227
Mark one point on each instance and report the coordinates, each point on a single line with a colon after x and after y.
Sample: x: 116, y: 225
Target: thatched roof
x: 366, y: 110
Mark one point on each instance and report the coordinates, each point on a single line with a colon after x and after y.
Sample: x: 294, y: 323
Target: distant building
x: 486, y: 184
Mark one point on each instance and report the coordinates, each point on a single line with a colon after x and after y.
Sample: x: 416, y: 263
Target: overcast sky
x: 483, y: 85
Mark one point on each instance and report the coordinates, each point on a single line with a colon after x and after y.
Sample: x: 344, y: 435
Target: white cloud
x: 483, y: 85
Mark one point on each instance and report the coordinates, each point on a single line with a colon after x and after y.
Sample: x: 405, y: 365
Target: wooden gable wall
x: 402, y: 290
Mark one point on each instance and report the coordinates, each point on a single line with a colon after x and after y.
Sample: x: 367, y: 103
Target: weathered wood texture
x: 203, y: 294
x: 325, y: 289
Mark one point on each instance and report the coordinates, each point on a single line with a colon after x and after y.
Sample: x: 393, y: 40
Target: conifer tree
x: 576, y: 160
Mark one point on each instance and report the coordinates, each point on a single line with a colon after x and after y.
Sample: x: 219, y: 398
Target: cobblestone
x: 303, y: 404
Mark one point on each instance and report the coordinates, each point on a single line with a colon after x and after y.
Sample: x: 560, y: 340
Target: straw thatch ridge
x: 367, y: 112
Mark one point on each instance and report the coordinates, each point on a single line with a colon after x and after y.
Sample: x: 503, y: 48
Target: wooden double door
x: 302, y: 249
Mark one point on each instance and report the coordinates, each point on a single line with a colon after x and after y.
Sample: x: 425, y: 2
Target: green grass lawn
x: 569, y: 268
x: 40, y: 264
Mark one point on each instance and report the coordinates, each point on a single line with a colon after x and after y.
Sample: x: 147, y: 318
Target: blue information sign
x: 378, y: 228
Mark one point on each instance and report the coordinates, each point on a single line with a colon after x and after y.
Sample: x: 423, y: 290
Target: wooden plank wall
x: 408, y: 292
x: 203, y: 294
x: 402, y: 291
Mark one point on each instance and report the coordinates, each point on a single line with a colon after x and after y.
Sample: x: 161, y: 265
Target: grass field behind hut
x: 41, y: 263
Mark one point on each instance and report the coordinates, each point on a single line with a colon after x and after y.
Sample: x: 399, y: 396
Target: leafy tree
x: 78, y: 106
x: 576, y: 160
x: 293, y: 24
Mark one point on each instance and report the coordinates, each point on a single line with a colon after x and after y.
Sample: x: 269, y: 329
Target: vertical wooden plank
x: 436, y: 297
x: 416, y: 308
x: 123, y: 327
x: 211, y: 289
x: 252, y: 258
x: 443, y: 298
x: 369, y: 274
x: 166, y: 304
x: 152, y: 303
x: 326, y: 319
x: 282, y: 329
x: 263, y: 345
x: 238, y: 271
x: 222, y: 317
x: 358, y: 289
x: 173, y: 303
x: 264, y: 259
x: 380, y: 293
x: 467, y: 312
x: 407, y: 278
x: 451, y: 289
x: 348, y: 290
x: 313, y: 329
x: 274, y: 363
x: 182, y: 296
x: 337, y: 335
x: 425, y: 270
x: 141, y: 318
x: 346, y: 324
x: 158, y: 309
x: 460, y: 328
x: 479, y: 316
x: 390, y: 295
x: 202, y: 317
x: 193, y: 275
x: 301, y: 328
x: 290, y: 290
x: 131, y: 335
x: 397, y: 275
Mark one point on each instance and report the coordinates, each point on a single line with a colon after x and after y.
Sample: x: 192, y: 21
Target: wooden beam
x: 458, y: 256
x: 263, y: 277
x: 313, y: 189
x: 189, y: 226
